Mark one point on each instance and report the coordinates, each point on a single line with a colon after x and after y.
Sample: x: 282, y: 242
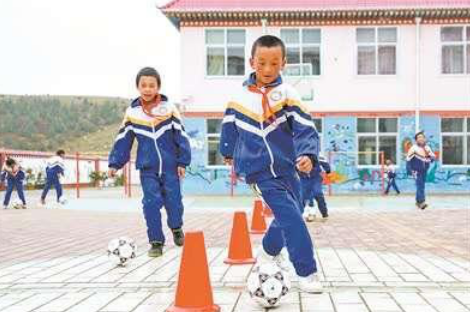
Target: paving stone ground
x: 374, y: 254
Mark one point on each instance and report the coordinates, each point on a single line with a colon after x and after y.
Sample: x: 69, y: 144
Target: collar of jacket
x: 252, y: 81
x: 136, y: 102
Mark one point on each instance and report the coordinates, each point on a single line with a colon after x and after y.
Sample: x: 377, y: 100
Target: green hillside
x: 45, y: 123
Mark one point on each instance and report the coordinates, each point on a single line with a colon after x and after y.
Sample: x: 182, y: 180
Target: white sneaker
x: 5, y: 207
x: 309, y: 214
x: 310, y: 284
x: 281, y: 260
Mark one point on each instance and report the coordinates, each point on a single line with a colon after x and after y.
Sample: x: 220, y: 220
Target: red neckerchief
x: 149, y: 106
x: 268, y: 113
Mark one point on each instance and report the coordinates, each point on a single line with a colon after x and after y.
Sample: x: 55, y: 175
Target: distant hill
x: 45, y: 123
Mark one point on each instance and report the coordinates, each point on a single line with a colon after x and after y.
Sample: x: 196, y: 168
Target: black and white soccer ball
x: 121, y: 251
x: 267, y: 284
x: 17, y: 204
x: 63, y: 200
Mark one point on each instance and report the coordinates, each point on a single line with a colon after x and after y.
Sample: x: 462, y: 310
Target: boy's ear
x: 252, y: 63
x: 284, y: 62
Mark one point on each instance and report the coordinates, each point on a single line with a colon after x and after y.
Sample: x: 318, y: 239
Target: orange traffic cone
x: 194, y: 291
x: 258, y: 224
x: 240, y: 245
x: 268, y: 213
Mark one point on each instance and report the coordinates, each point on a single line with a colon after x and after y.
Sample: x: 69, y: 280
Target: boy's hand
x: 228, y: 161
x: 112, y: 172
x: 304, y: 164
x: 181, y: 172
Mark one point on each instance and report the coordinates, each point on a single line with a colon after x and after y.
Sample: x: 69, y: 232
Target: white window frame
x: 225, y: 45
x: 377, y: 135
x: 376, y: 45
x: 301, y: 45
x: 463, y: 134
x: 212, y: 135
x: 465, y: 42
x: 320, y: 133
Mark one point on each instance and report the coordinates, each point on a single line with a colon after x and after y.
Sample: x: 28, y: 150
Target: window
x: 455, y: 50
x: 303, y: 51
x: 376, y: 135
x: 214, y: 158
x: 225, y: 52
x: 376, y: 51
x: 455, y: 141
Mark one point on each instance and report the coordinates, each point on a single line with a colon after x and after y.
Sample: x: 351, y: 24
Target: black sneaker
x: 156, y: 249
x: 178, y: 236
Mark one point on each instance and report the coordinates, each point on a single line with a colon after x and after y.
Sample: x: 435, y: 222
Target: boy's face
x: 267, y: 63
x: 148, y: 87
x: 421, y: 139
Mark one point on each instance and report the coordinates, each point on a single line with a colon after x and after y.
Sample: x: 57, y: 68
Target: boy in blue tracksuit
x: 54, y: 170
x: 312, y: 189
x: 14, y: 175
x: 391, y: 177
x: 418, y: 159
x: 162, y: 156
x: 266, y: 134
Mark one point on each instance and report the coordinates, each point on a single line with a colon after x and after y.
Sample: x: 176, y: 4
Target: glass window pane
x: 367, y: 125
x: 214, y: 36
x: 468, y: 149
x: 318, y: 124
x: 235, y: 36
x: 452, y: 124
x: 214, y: 158
x: 387, y: 35
x: 236, y: 61
x: 468, y: 125
x: 214, y: 126
x: 367, y: 144
x: 388, y: 125
x: 387, y: 60
x: 468, y: 58
x: 451, y: 33
x: 365, y: 35
x: 311, y: 61
x: 311, y: 36
x: 215, y: 61
x: 468, y: 33
x: 366, y: 61
x: 452, y: 59
x: 290, y: 36
x: 293, y: 56
x: 388, y: 145
x: 452, y: 150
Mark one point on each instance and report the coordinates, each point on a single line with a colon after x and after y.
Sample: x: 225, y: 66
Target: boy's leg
x: 395, y: 186
x: 7, y: 198
x: 152, y: 203
x: 58, y: 188
x: 173, y: 202
x: 281, y: 195
x: 19, y: 189
x: 389, y: 184
x: 420, y: 179
x: 320, y: 198
x: 47, y: 186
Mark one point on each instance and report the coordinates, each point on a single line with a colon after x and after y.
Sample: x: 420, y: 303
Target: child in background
x: 391, y: 176
x: 14, y: 175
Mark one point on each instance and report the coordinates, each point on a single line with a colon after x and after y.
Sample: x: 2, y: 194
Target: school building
x: 372, y: 72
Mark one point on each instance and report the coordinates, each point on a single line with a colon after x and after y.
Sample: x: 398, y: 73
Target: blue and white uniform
x: 14, y: 181
x: 264, y: 142
x: 312, y: 186
x: 163, y: 146
x: 418, y: 160
x: 54, y: 169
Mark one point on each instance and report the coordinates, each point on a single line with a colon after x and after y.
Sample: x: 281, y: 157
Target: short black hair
x: 418, y: 134
x: 10, y: 162
x: 148, y: 71
x: 268, y: 41
x: 60, y: 152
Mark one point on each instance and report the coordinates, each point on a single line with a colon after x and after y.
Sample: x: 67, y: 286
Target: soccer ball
x: 62, y: 200
x: 267, y: 284
x: 121, y: 250
x: 17, y: 204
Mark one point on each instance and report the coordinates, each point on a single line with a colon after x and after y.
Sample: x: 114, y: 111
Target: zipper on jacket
x: 269, y: 150
x: 158, y: 152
